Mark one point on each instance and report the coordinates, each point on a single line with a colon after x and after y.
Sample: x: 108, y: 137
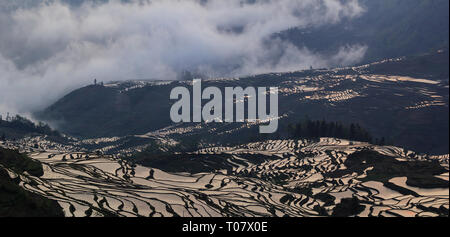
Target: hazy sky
x: 48, y: 48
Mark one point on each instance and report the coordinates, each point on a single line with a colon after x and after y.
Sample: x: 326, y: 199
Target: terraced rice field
x: 273, y: 178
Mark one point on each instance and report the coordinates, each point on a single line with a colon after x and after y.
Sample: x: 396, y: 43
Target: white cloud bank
x: 49, y: 48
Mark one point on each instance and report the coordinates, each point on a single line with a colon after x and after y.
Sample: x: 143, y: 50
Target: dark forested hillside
x: 16, y: 201
x: 18, y: 127
x: 96, y: 111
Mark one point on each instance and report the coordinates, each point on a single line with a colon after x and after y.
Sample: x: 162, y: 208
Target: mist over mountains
x: 388, y: 28
x: 63, y: 45
x: 361, y: 105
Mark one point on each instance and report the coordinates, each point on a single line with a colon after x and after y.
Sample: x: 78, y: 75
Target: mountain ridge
x: 140, y: 108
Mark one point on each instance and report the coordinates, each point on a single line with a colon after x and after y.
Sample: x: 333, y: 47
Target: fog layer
x: 48, y: 48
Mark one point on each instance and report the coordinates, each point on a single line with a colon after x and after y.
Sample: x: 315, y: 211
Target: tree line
x: 22, y: 124
x: 309, y: 129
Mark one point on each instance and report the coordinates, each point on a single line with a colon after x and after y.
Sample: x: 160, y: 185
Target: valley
x: 240, y: 109
x: 119, y: 154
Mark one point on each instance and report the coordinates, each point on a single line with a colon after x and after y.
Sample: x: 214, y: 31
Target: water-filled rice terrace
x: 328, y: 177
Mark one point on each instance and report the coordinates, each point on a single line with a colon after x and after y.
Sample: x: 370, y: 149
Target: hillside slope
x: 16, y: 201
x: 404, y: 100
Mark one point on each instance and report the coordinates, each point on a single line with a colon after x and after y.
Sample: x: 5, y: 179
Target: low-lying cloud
x: 50, y: 47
